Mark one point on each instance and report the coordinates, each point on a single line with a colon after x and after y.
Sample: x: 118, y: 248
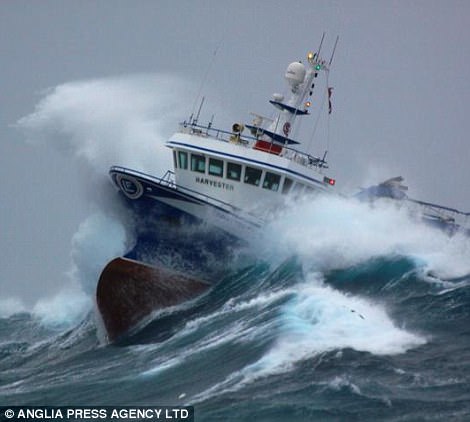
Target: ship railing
x: 446, y: 214
x: 249, y: 141
x: 168, y: 180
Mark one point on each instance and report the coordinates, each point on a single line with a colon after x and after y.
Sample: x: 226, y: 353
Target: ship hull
x: 129, y: 292
x: 173, y: 238
x: 157, y: 200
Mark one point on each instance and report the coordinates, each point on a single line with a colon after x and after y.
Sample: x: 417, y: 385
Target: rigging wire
x: 329, y: 111
x: 315, y: 126
x: 204, y: 79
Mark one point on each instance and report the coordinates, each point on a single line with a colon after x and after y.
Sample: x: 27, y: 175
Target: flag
x: 330, y: 91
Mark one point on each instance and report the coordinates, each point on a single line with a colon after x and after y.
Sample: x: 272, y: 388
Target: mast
x: 300, y: 79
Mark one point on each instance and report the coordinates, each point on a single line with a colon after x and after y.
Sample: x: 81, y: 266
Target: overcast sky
x: 400, y: 101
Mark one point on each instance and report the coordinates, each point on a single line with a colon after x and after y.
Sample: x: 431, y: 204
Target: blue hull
x: 166, y: 234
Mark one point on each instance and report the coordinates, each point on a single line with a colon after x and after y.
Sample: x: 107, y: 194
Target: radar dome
x: 295, y: 74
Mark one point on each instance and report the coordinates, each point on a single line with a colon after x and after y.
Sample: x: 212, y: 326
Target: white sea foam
x: 319, y: 319
x: 98, y: 239
x: 11, y: 306
x: 63, y: 310
x: 231, y: 330
x: 333, y: 232
x: 338, y: 383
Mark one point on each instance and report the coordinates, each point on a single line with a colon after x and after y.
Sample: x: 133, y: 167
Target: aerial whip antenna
x: 199, y: 111
x: 333, y: 52
x: 321, y: 43
x: 204, y: 79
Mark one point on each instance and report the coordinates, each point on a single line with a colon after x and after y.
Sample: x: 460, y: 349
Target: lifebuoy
x: 130, y: 186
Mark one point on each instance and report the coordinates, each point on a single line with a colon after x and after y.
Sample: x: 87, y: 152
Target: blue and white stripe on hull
x: 162, y: 197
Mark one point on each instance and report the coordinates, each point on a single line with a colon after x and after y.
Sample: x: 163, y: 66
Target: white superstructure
x: 237, y: 177
x: 253, y: 167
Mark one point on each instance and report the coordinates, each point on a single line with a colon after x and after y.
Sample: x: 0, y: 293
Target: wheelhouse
x: 246, y: 180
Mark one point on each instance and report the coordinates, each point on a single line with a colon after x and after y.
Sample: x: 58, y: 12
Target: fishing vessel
x: 233, y: 179
x: 229, y: 181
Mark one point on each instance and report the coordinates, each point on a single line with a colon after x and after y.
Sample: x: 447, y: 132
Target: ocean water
x: 335, y: 312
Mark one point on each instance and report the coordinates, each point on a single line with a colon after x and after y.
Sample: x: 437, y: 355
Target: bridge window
x: 216, y: 167
x: 234, y: 171
x: 271, y: 181
x: 253, y: 176
x: 175, y: 164
x: 287, y: 185
x: 183, y: 159
x: 198, y: 163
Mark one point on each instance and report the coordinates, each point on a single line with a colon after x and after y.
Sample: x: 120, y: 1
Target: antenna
x: 199, y: 111
x: 321, y: 43
x: 333, y: 53
x: 204, y: 79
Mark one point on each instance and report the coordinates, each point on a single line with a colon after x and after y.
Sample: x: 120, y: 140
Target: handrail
x: 438, y: 207
x: 450, y: 216
x: 293, y: 154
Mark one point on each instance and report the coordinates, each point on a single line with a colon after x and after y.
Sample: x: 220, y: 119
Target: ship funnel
x: 295, y: 74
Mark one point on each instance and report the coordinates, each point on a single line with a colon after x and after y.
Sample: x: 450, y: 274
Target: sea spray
x: 99, y: 239
x: 98, y: 123
x: 11, y: 306
x: 64, y: 309
x: 315, y: 319
x: 110, y: 121
x: 332, y: 232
